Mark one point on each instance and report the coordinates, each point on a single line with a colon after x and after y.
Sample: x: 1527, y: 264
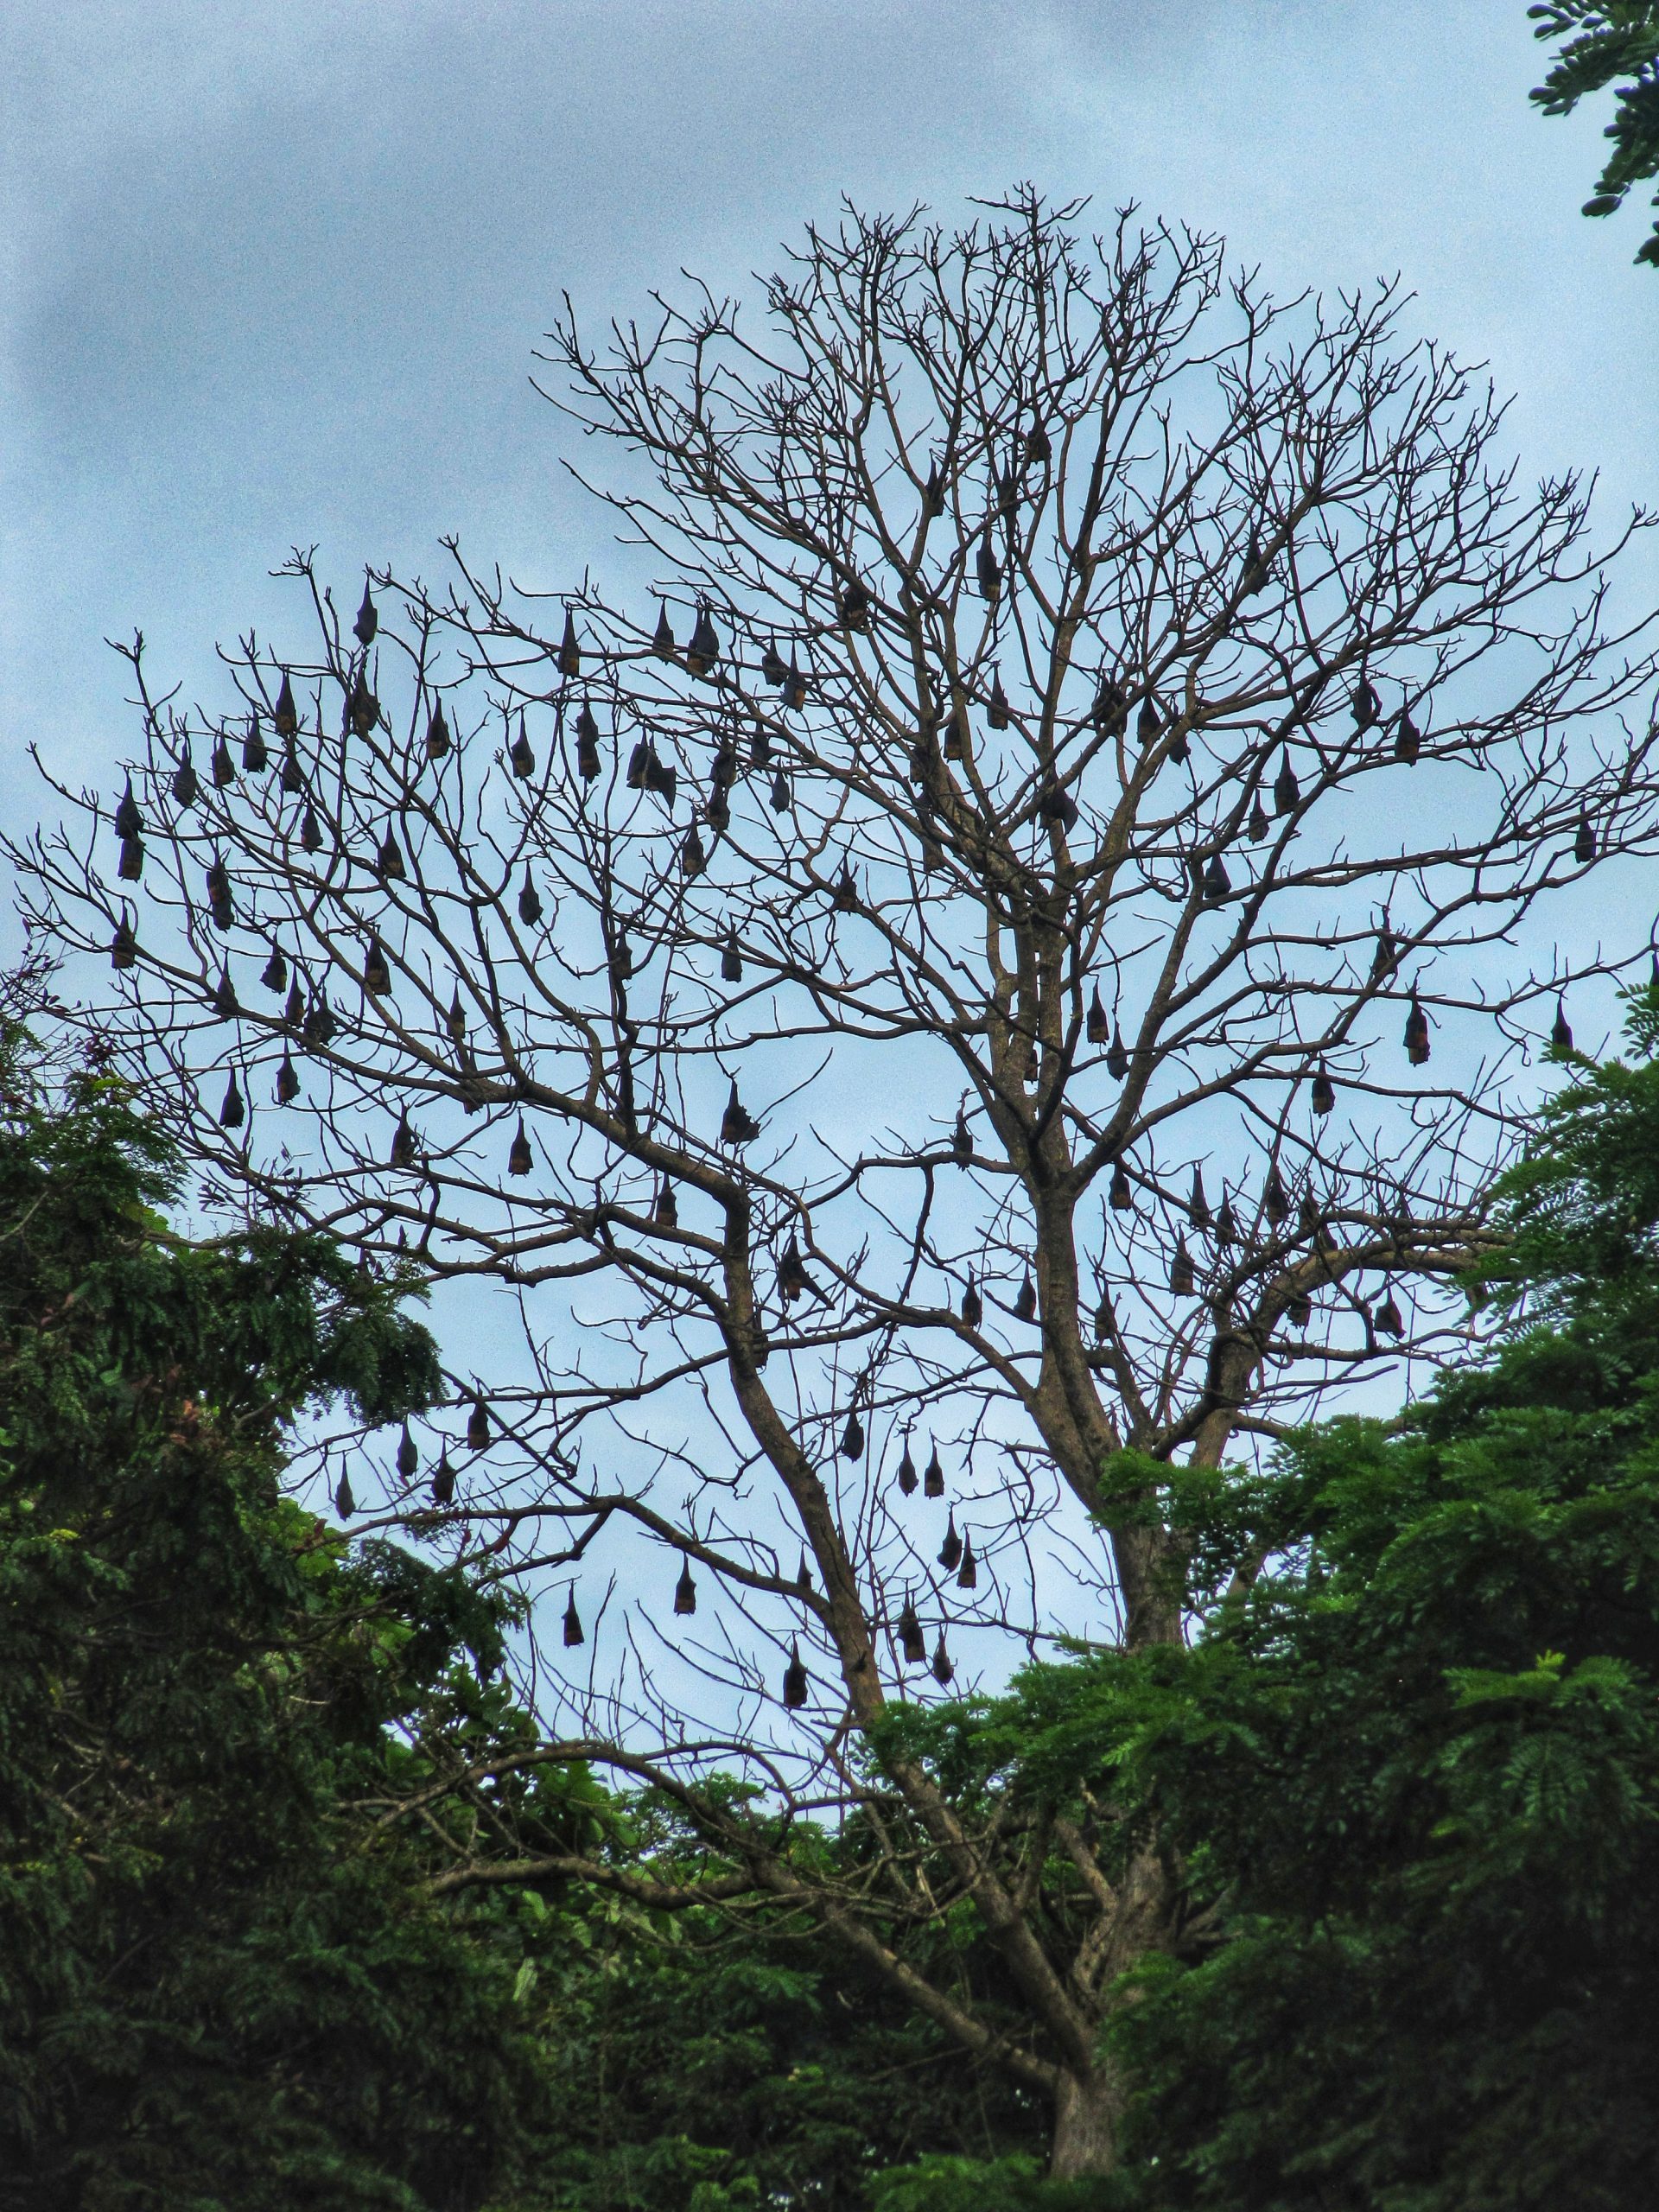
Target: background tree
x: 219, y: 1984
x: 715, y: 2058
x: 1422, y: 1757
x: 940, y: 1000
x: 1604, y: 39
x: 222, y: 1977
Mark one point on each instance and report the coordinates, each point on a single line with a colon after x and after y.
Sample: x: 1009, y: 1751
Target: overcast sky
x: 272, y: 275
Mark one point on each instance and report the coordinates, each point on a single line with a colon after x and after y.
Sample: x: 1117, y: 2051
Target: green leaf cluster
x: 221, y: 1985
x: 1603, y: 42
x: 1413, y: 1772
x: 714, y: 2059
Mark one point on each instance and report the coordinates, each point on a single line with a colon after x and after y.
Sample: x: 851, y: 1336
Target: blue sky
x: 274, y: 275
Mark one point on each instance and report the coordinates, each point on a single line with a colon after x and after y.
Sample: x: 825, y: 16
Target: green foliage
x: 1605, y: 40
x: 710, y: 2060
x: 220, y: 1987
x: 1412, y: 1773
x: 1014, y: 2184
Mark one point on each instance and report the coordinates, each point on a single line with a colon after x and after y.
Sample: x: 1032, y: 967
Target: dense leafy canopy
x: 1603, y: 42
x: 215, y: 1988
x: 715, y: 2065
x: 1417, y: 1765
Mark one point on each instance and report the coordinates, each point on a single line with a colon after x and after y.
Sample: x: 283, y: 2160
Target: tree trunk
x: 1086, y: 2115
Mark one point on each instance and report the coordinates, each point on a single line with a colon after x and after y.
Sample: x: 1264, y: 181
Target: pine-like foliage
x: 1601, y: 42
x: 1416, y: 1768
x: 217, y: 1989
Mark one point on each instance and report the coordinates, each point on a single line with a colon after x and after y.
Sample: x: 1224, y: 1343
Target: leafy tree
x: 1011, y: 2184
x: 219, y: 1986
x: 1411, y: 1769
x: 701, y: 2061
x: 1605, y: 40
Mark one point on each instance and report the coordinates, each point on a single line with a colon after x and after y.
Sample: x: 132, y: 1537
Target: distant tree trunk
x: 1087, y: 2114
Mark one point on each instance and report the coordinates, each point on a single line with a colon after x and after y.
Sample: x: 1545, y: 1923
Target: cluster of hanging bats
x: 313, y: 1023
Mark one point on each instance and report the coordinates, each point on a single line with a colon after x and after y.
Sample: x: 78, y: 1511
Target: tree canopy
x: 1605, y: 40
x: 219, y: 1986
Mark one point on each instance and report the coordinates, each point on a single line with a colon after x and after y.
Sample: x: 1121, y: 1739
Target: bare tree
x: 1009, y: 966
